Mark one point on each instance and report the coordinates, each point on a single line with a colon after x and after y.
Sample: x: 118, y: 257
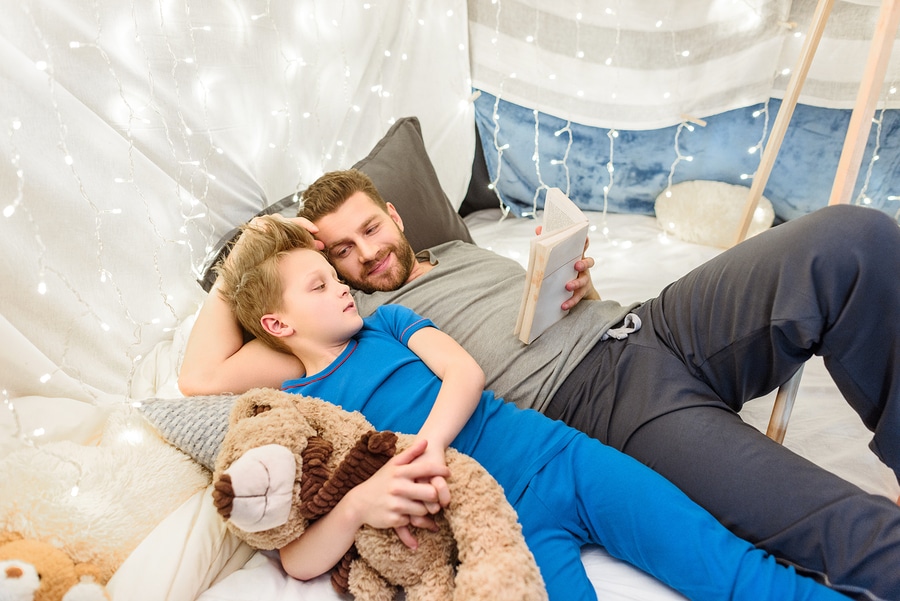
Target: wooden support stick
x: 866, y: 99
x: 847, y: 171
x: 798, y: 77
x: 784, y: 404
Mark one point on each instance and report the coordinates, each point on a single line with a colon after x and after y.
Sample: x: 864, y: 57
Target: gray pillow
x: 402, y: 172
x: 195, y: 425
x: 404, y: 176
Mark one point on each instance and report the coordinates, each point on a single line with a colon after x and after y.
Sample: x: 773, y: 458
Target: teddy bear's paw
x: 261, y: 483
x: 223, y: 495
x: 382, y: 443
x: 18, y: 579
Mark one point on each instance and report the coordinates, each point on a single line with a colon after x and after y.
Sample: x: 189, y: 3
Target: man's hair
x: 328, y: 193
x: 248, y: 278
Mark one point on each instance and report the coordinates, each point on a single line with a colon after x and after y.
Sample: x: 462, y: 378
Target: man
x: 667, y: 394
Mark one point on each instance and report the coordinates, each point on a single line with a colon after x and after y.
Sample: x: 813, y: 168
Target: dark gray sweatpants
x: 734, y: 329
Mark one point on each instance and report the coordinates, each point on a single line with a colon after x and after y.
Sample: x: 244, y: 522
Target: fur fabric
x: 126, y: 485
x: 478, y: 553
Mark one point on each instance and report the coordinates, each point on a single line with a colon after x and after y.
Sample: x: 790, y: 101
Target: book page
x: 559, y: 212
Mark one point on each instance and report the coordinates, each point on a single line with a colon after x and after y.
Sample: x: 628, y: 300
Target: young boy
x: 404, y: 375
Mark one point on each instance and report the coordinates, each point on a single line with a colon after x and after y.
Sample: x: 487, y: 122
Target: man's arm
x: 581, y: 287
x: 216, y: 360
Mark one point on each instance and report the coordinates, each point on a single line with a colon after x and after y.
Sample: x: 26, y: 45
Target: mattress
x: 194, y: 557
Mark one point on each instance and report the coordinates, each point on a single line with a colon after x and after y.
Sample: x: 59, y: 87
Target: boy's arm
x: 462, y: 383
x: 392, y: 498
x: 216, y: 360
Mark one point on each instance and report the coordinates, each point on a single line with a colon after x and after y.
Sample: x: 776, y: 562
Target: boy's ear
x: 274, y: 326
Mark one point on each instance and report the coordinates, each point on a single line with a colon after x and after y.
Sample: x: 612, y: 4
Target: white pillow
x: 707, y: 212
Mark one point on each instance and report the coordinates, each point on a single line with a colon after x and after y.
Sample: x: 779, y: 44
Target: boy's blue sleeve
x: 401, y: 322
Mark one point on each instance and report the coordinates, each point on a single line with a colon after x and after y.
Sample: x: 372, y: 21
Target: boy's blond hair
x: 248, y: 278
x: 326, y: 195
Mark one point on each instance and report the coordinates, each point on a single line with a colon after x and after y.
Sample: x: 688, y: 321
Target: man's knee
x: 852, y: 225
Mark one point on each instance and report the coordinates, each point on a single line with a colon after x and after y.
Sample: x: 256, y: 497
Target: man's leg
x: 774, y: 498
x: 827, y: 284
x: 734, y: 329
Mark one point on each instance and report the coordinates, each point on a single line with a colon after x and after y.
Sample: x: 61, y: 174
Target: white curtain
x: 134, y: 134
x: 657, y: 63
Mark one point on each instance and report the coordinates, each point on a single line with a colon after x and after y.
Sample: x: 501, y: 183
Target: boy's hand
x: 398, y: 495
x: 434, y: 457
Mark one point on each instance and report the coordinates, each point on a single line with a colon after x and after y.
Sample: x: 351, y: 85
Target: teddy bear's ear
x: 86, y: 589
x: 257, y: 401
x: 88, y: 569
x: 8, y: 537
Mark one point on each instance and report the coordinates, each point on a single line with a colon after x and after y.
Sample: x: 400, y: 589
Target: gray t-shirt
x: 473, y: 295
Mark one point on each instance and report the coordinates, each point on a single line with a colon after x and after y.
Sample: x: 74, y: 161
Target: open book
x: 551, y: 264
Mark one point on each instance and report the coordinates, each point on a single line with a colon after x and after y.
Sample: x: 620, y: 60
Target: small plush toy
x: 287, y: 460
x: 33, y: 570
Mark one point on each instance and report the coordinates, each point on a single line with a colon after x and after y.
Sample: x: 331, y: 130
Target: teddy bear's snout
x: 13, y: 572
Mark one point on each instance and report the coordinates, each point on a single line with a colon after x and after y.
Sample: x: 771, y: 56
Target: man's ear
x: 272, y: 324
x: 394, y: 215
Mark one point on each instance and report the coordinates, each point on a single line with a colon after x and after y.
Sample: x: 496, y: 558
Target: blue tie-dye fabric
x: 800, y: 181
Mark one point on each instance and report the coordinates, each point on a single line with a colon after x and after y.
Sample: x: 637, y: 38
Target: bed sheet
x: 635, y: 259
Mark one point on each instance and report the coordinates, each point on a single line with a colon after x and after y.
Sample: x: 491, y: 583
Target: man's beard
x: 389, y: 280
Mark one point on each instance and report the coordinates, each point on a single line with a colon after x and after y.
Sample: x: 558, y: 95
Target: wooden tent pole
x: 772, y: 146
x: 787, y: 393
x: 866, y: 99
x: 847, y: 171
x: 779, y: 128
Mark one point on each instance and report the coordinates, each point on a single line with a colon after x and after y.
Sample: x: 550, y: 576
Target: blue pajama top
x: 379, y: 376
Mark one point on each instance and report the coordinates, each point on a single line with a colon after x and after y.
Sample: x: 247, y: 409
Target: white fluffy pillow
x: 126, y: 485
x: 707, y: 212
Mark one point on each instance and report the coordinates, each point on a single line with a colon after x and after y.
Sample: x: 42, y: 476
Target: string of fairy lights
x: 169, y: 50
x: 689, y: 122
x: 195, y: 149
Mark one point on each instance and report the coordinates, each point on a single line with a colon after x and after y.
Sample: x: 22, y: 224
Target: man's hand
x: 581, y: 287
x: 302, y: 221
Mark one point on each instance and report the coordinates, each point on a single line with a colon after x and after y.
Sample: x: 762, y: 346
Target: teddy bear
x: 287, y: 459
x: 35, y: 570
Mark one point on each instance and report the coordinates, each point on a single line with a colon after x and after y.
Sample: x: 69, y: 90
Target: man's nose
x: 367, y: 251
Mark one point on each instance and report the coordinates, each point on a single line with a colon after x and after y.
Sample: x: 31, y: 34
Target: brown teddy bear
x: 33, y: 570
x: 288, y: 459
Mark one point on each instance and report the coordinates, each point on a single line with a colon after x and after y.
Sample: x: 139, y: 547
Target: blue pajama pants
x: 591, y: 493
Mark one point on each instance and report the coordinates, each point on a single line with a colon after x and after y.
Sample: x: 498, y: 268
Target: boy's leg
x: 556, y: 550
x: 765, y: 493
x: 600, y: 495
